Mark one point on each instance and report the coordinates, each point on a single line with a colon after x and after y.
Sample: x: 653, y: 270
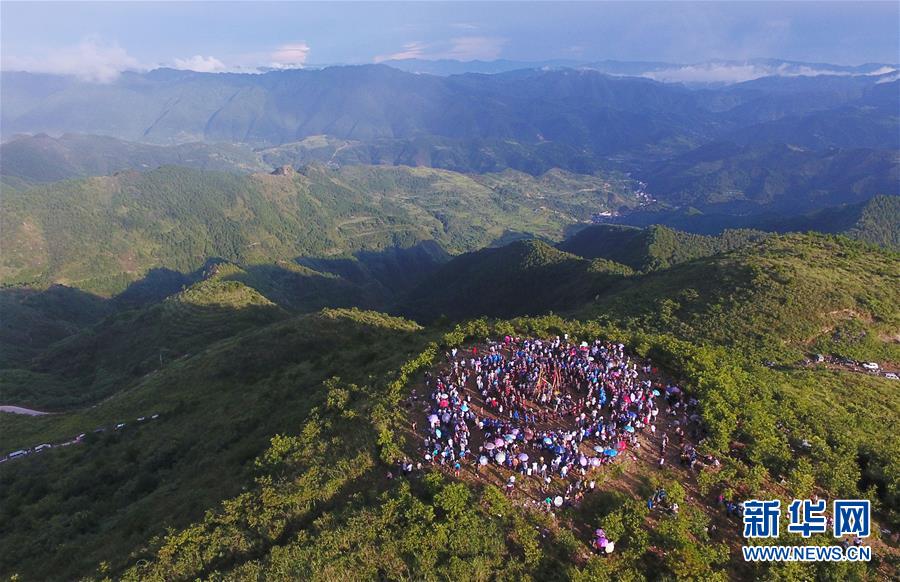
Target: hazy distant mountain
x: 786, y: 143
x: 714, y: 72
x: 583, y: 109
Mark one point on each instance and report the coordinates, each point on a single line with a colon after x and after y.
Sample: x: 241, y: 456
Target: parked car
x: 42, y: 447
x: 17, y: 454
x: 871, y: 366
x: 120, y: 426
x: 892, y: 376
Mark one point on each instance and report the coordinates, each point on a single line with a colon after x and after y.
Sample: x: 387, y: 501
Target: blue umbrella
x: 656, y: 392
x: 629, y: 428
x: 548, y: 441
x: 632, y: 414
x: 464, y: 407
x: 610, y: 452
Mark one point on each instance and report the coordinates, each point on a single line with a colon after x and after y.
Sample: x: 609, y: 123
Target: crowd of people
x: 548, y: 410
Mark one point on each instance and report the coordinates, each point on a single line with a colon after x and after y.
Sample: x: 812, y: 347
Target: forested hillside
x: 102, y: 233
x: 256, y: 371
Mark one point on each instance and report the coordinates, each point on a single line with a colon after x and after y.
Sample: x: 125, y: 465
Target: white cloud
x: 708, y: 73
x: 739, y: 72
x: 411, y: 50
x: 289, y: 56
x: 200, y: 64
x: 882, y: 71
x: 89, y: 60
x: 465, y: 48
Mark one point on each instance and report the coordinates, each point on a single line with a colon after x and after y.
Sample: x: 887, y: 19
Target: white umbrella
x: 500, y: 457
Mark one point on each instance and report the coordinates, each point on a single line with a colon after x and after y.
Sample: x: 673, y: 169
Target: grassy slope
x: 100, y: 360
x: 218, y: 408
x: 775, y: 297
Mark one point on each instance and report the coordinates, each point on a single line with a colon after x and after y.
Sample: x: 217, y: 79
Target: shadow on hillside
x: 35, y: 319
x: 89, y: 363
x: 156, y: 285
x: 383, y: 275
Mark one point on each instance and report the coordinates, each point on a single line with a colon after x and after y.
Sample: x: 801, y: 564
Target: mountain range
x: 222, y: 296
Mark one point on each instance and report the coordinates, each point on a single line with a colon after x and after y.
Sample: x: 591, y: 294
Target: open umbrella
x: 583, y: 461
x: 509, y: 437
x: 499, y: 442
x: 610, y: 546
x: 598, y: 448
x: 489, y: 446
x: 558, y: 501
x: 482, y: 460
x: 464, y: 407
x: 529, y: 434
x: 632, y: 414
x: 522, y: 457
x: 629, y: 428
x: 432, y: 418
x: 548, y: 441
x: 656, y: 392
x: 595, y: 462
x: 500, y: 457
x: 610, y: 452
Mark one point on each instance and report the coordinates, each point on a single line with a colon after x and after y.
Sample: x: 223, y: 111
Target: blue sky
x: 96, y: 40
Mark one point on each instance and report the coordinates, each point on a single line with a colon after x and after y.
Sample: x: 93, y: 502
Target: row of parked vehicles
x: 77, y: 440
